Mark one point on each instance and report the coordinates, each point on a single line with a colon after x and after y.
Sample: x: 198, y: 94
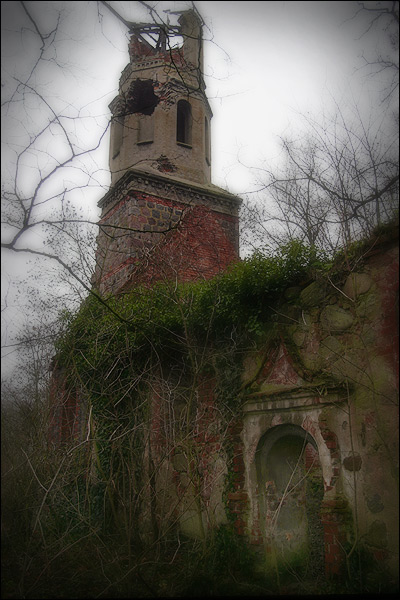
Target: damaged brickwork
x: 163, y: 217
x: 151, y: 231
x: 302, y: 468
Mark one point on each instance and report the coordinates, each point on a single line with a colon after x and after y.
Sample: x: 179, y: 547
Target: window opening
x: 184, y: 123
x: 141, y: 97
x: 291, y: 483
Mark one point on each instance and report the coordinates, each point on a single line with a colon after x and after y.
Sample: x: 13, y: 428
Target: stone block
x: 313, y: 294
x: 352, y: 462
x: 334, y: 318
x: 330, y: 348
x: 357, y: 284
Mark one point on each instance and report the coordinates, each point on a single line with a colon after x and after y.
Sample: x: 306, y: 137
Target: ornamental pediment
x: 278, y: 381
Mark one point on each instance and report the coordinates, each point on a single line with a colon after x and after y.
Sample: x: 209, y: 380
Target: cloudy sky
x: 286, y: 59
x: 266, y: 63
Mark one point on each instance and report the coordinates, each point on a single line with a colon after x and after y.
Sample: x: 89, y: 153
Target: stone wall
x: 307, y: 470
x: 302, y: 461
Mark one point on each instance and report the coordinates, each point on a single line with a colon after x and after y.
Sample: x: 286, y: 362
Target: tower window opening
x: 184, y: 123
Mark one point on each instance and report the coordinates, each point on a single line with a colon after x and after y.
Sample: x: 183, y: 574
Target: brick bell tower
x: 162, y: 217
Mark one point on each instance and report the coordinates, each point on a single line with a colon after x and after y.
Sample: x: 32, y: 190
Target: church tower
x: 162, y: 217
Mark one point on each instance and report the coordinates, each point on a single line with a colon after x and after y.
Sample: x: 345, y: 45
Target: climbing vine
x: 163, y: 374
x: 168, y: 341
x: 160, y: 319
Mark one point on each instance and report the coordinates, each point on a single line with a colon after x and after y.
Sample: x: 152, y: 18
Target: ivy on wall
x: 168, y: 318
x: 167, y: 340
x: 163, y: 374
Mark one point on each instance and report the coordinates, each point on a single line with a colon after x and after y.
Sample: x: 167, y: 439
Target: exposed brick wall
x: 210, y: 441
x: 147, y: 239
x: 139, y: 50
x: 238, y: 498
x: 207, y: 437
x: 334, y: 536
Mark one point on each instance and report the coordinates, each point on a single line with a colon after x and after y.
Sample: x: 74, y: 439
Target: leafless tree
x: 381, y: 20
x: 54, y: 155
x: 141, y: 455
x: 337, y: 182
x: 46, y: 167
x: 338, y: 174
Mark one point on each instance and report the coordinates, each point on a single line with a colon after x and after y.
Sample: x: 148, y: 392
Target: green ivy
x: 171, y: 320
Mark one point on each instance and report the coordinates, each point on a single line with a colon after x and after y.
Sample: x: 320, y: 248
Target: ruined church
x: 306, y: 467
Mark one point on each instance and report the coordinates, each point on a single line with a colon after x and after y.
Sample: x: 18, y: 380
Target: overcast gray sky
x: 265, y: 63
x: 286, y: 58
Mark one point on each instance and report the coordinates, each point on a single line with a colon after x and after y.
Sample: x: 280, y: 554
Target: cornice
x: 297, y: 398
x: 171, y: 189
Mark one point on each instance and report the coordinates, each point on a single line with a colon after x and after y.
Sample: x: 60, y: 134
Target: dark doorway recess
x: 291, y: 490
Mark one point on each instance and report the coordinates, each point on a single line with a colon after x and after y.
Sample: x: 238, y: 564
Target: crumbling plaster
x: 335, y: 376
x: 327, y: 369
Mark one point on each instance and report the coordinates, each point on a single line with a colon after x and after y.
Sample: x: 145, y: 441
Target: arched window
x: 184, y: 123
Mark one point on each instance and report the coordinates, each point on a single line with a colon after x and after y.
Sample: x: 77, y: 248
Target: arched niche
x: 290, y: 492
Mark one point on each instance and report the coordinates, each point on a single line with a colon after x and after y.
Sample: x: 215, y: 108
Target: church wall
x: 326, y: 388
x: 303, y: 465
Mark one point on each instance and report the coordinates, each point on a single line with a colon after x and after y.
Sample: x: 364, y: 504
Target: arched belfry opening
x: 184, y: 123
x: 290, y: 487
